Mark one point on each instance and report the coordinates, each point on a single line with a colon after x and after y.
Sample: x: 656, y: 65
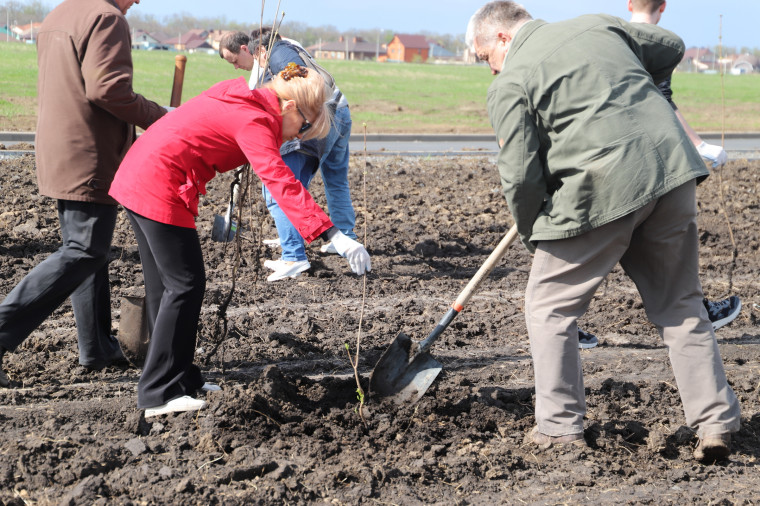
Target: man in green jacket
x: 596, y: 171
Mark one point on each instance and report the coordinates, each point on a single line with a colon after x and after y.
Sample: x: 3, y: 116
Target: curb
x: 8, y: 137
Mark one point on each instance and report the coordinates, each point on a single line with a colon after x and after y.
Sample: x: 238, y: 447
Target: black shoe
x: 117, y: 360
x: 586, y: 340
x: 723, y: 312
x: 4, y: 381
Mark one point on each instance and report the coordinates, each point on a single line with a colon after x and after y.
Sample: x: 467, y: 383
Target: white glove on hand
x: 168, y: 108
x: 353, y: 251
x: 712, y: 153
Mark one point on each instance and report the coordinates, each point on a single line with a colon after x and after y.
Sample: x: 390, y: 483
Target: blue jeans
x: 303, y: 167
x: 78, y: 269
x: 334, y: 166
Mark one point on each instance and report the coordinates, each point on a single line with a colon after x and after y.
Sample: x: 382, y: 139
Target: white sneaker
x: 286, y: 269
x: 272, y: 243
x: 184, y: 403
x: 210, y: 387
x: 329, y: 248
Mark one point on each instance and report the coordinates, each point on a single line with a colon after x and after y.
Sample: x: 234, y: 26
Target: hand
x: 353, y: 251
x: 712, y: 153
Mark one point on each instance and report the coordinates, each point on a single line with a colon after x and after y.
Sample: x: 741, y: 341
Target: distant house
x: 8, y: 35
x: 408, y: 48
x: 161, y: 37
x: 194, y: 45
x: 26, y: 32
x: 190, y: 40
x: 698, y: 59
x: 215, y: 36
x: 439, y: 53
x: 745, y: 64
x: 144, y: 40
x: 354, y: 48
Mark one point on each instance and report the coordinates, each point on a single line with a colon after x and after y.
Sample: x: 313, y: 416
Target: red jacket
x: 217, y: 131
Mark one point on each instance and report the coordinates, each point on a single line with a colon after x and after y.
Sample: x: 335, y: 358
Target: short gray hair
x: 492, y: 18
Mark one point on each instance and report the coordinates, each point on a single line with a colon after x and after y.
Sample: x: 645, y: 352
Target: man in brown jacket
x: 87, y: 113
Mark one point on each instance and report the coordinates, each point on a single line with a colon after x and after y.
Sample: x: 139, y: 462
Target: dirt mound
x: 285, y: 428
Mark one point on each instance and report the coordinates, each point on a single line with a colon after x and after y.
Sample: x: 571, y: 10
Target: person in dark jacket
x: 87, y: 113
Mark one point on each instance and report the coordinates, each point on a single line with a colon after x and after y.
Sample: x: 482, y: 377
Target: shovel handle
x: 485, y: 269
x: 466, y: 294
x: 179, y: 78
x: 235, y: 190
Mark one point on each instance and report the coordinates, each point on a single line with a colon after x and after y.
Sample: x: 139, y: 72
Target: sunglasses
x: 306, y: 124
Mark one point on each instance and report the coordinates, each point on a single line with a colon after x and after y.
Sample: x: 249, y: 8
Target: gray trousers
x: 657, y: 246
x: 79, y: 268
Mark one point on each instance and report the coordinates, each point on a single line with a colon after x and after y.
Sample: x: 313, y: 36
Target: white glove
x: 353, y: 251
x: 168, y: 108
x: 712, y: 153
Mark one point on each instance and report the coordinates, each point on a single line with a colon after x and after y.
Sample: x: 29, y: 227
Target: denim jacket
x: 282, y: 53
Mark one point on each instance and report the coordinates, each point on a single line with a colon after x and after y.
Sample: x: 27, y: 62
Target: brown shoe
x: 545, y: 441
x: 713, y: 448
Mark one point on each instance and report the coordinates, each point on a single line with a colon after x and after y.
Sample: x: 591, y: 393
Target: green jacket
x: 585, y: 135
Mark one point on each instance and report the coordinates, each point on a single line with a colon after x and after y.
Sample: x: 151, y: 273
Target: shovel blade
x: 223, y: 230
x: 403, y: 373
x: 133, y: 335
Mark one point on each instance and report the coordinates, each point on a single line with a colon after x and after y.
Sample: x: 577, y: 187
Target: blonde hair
x: 310, y: 94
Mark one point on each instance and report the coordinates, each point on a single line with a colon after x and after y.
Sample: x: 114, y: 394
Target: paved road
x: 738, y: 145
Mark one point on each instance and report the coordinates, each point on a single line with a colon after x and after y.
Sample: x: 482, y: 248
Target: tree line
x: 24, y: 12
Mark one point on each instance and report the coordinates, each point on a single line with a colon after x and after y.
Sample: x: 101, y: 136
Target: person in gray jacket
x: 596, y: 170
x: 87, y: 113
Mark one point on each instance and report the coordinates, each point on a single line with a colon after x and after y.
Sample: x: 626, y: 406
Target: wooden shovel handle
x: 464, y: 297
x: 485, y: 269
x: 179, y: 78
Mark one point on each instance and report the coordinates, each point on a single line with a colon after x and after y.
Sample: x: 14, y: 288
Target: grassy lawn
x: 388, y: 97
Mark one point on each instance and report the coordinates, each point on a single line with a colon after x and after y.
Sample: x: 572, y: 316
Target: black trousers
x: 175, y: 280
x: 79, y: 269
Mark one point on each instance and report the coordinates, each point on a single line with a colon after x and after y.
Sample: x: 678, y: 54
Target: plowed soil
x: 286, y: 427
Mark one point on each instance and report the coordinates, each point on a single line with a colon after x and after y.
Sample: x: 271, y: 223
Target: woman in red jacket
x: 158, y: 184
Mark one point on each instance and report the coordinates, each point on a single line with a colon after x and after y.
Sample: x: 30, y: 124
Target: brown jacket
x: 87, y: 108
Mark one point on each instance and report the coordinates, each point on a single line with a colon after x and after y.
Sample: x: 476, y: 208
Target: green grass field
x: 388, y: 97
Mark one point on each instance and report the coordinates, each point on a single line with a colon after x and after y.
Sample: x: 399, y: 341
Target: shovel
x: 179, y: 78
x: 133, y: 335
x: 406, y: 370
x: 224, y: 228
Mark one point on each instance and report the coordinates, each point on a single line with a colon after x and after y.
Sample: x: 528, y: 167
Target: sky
x: 698, y: 22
